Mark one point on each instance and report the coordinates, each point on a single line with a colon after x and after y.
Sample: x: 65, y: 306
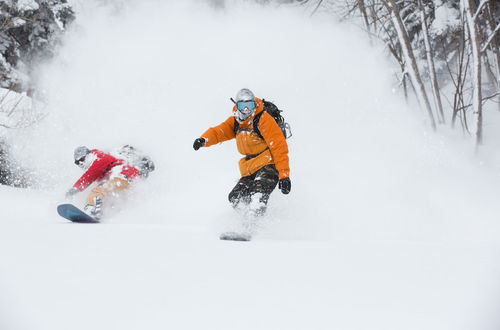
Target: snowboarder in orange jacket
x: 265, y: 161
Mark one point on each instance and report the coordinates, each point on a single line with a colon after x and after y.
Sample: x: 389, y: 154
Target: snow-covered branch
x: 29, y: 31
x: 479, y: 8
x: 487, y: 43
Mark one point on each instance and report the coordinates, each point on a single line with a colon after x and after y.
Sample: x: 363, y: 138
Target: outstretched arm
x: 219, y: 133
x: 93, y: 173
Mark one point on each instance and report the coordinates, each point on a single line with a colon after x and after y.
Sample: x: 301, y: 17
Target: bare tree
x: 430, y: 61
x: 364, y: 13
x: 466, y: 45
x: 410, y: 59
x: 475, y: 44
x: 17, y: 110
x: 494, y: 43
x: 458, y: 77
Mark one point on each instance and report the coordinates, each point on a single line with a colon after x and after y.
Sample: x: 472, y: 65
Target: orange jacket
x: 258, y: 152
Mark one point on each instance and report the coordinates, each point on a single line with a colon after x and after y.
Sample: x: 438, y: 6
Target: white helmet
x: 79, y: 154
x: 245, y: 94
x: 245, y: 104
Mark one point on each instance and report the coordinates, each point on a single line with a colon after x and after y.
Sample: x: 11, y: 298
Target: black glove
x: 285, y: 185
x: 198, y: 143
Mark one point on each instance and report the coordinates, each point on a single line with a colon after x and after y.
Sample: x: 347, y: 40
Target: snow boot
x: 95, y: 211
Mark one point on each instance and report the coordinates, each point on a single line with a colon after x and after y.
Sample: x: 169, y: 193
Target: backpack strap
x: 236, y: 126
x: 255, y: 124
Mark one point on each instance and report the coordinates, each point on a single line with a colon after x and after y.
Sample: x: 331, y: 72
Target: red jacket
x: 98, y: 170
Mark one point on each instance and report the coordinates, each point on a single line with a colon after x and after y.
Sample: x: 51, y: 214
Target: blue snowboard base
x: 72, y: 213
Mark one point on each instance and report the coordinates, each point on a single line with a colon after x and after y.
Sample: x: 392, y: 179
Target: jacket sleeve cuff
x: 207, y: 143
x: 284, y: 174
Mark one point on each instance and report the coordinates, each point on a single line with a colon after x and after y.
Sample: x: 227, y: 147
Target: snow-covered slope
x: 388, y: 225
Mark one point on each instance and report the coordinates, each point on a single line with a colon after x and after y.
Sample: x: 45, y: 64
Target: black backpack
x: 273, y: 110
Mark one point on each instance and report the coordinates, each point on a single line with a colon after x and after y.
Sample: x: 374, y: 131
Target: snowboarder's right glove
x: 285, y: 185
x: 198, y: 143
x: 71, y: 192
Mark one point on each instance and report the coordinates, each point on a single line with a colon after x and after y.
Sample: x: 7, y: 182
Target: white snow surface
x: 388, y: 225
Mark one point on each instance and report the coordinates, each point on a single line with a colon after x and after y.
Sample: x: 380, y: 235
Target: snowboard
x: 74, y: 214
x: 234, y: 236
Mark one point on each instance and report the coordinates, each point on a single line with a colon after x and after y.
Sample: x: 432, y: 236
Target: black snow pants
x: 260, y: 184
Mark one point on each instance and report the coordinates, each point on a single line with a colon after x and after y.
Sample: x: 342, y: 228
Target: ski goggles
x: 80, y: 161
x: 245, y: 105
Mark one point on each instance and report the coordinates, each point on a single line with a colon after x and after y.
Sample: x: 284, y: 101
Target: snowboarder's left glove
x: 285, y: 185
x: 71, y: 192
x: 198, y: 143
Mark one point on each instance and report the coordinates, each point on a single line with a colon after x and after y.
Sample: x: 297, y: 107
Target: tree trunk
x: 405, y: 87
x: 475, y: 44
x: 495, y: 47
x: 362, y: 9
x: 462, y: 65
x: 410, y: 59
x: 430, y: 61
x: 373, y: 12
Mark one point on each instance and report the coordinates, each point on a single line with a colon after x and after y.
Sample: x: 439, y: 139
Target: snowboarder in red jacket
x: 113, y: 173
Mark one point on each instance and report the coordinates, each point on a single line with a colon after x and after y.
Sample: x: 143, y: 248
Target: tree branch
x: 482, y: 101
x: 315, y: 9
x: 5, y: 126
x: 486, y: 44
x: 478, y: 11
